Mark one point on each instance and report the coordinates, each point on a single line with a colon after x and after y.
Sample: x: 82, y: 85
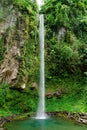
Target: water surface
x: 48, y: 124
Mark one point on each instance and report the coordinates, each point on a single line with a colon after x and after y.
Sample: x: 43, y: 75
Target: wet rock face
x: 13, y: 40
x: 2, y: 129
x: 10, y: 66
x: 16, y: 32
x: 61, y: 33
x: 7, y: 19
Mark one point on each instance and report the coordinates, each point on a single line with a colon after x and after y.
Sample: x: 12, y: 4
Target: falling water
x: 41, y: 107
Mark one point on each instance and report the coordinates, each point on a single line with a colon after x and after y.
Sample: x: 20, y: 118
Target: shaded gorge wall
x: 19, y: 57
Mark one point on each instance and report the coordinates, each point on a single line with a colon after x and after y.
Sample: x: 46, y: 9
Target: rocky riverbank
x: 78, y: 117
x: 4, y: 120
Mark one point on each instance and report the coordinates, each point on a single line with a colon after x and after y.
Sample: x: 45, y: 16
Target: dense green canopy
x: 68, y: 53
x: 65, y: 55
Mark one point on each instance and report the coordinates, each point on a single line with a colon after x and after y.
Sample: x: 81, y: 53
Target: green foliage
x: 28, y: 5
x: 65, y: 53
x: 14, y: 101
x: 65, y: 58
x: 28, y: 72
x: 6, y: 3
x: 3, y: 92
x: 64, y: 13
x: 83, y: 58
x: 1, y: 14
x: 73, y: 101
x: 2, y: 50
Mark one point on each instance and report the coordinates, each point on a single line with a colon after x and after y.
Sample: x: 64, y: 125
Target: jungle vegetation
x: 65, y: 56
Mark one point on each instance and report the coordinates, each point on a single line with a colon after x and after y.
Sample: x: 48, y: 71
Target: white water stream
x: 41, y: 107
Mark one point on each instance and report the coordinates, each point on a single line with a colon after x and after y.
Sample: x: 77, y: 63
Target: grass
x: 5, y: 113
x: 65, y: 104
x: 72, y: 101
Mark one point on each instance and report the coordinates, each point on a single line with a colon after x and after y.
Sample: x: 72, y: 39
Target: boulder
x: 23, y: 86
x: 83, y: 120
x: 33, y: 86
x: 60, y: 92
x: 2, y: 129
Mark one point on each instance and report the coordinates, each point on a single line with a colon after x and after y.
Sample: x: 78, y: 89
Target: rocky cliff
x: 18, y: 30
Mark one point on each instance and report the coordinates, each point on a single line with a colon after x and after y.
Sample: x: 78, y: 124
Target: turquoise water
x: 48, y: 124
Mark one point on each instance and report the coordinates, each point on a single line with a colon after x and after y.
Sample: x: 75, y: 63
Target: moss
x: 72, y: 100
x: 2, y: 50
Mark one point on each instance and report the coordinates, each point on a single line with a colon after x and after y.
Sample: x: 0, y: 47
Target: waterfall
x: 41, y: 107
